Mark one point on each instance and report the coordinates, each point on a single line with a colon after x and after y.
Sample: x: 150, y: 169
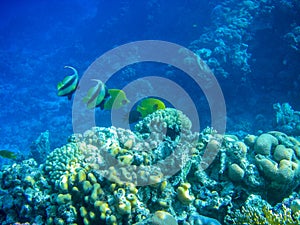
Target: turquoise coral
x: 258, y: 211
x: 112, y: 175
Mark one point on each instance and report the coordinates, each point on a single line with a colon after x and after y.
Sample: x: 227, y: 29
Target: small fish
x: 96, y: 95
x: 8, y: 154
x: 117, y: 98
x: 149, y: 105
x: 69, y: 84
x: 144, y: 108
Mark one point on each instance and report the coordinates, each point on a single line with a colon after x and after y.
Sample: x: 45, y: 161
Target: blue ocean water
x: 252, y: 47
x: 38, y: 38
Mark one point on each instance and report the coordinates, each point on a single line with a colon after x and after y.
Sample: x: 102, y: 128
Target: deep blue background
x: 38, y: 38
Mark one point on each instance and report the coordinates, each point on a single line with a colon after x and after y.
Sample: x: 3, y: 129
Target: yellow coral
x: 163, y: 203
x: 92, y: 178
x: 132, y: 188
x: 103, y: 208
x: 112, y: 220
x: 63, y: 184
x: 114, y: 149
x: 284, y: 217
x: 163, y: 185
x: 83, y: 211
x: 132, y: 199
x: 92, y: 215
x: 252, y: 215
x: 128, y: 144
x: 96, y: 192
x: 63, y: 198
x: 184, y: 195
x: 49, y: 221
x: 86, y: 186
x: 81, y: 176
x: 124, y: 207
x: 30, y: 180
x: 126, y: 159
x: 60, y: 221
x: 155, y: 178
x: 86, y: 221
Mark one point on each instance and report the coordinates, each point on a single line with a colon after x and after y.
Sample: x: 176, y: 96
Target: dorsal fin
x: 74, y: 70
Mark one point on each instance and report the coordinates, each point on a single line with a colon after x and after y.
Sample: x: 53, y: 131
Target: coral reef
x: 40, y: 147
x: 286, y: 119
x: 293, y: 38
x: 259, y: 211
x: 228, y: 44
x: 225, y: 44
x: 25, y: 193
x: 160, y: 173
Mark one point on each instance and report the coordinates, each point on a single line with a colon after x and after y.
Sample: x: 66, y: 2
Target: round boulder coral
x: 264, y: 144
x: 235, y: 172
x: 169, y: 121
x: 281, y: 152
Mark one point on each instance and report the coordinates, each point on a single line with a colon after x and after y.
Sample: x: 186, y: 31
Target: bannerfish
x: 117, y: 98
x: 96, y: 95
x: 69, y: 84
x: 8, y: 154
x: 144, y: 108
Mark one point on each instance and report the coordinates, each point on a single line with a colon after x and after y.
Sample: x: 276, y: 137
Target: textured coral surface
x: 160, y: 173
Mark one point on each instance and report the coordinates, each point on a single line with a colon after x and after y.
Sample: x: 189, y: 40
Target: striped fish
x: 95, y: 95
x: 69, y: 84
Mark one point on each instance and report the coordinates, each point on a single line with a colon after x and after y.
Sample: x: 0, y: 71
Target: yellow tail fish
x: 144, y: 108
x: 117, y: 98
x: 149, y: 105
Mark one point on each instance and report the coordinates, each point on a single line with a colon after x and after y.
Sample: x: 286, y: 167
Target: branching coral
x: 258, y: 211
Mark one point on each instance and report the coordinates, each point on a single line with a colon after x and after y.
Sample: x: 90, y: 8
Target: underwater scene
x: 150, y: 112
